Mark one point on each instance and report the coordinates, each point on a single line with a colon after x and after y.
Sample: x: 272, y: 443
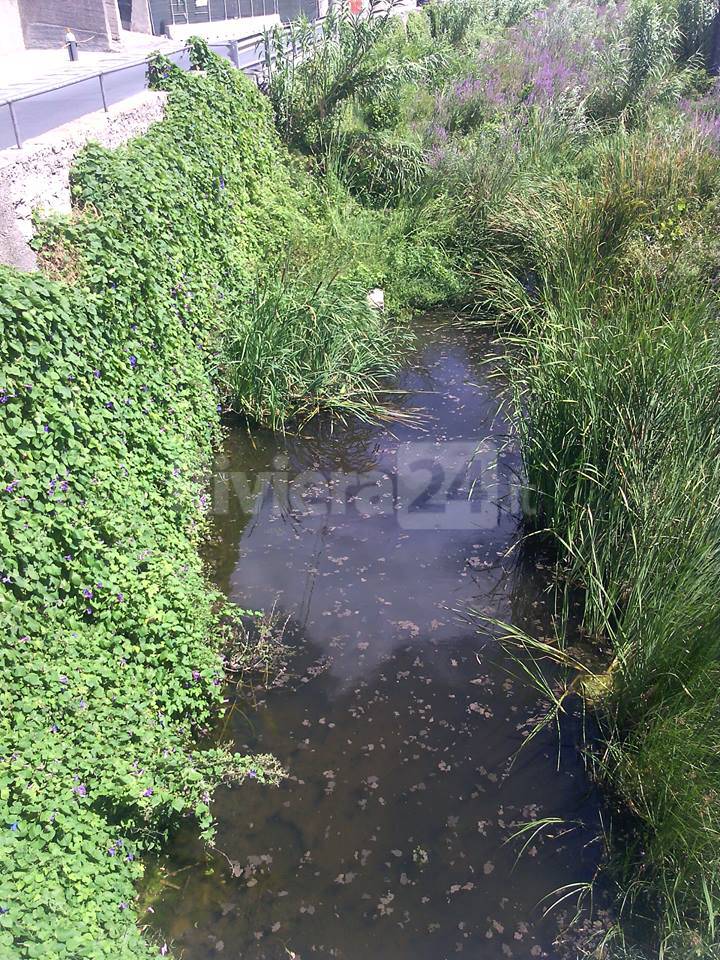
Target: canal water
x: 399, y: 721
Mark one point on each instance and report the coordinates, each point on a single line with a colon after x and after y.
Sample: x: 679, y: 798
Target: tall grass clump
x: 614, y: 356
x: 308, y: 341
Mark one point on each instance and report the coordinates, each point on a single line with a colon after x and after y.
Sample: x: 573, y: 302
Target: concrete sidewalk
x: 31, y: 71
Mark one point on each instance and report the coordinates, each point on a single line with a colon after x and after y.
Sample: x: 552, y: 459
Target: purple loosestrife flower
x: 703, y: 115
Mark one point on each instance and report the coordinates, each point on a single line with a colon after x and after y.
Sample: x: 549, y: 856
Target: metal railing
x: 33, y: 114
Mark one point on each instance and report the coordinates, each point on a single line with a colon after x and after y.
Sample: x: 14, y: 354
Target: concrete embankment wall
x: 36, y: 177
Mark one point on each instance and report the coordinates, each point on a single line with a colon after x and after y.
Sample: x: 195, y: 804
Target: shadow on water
x: 399, y: 725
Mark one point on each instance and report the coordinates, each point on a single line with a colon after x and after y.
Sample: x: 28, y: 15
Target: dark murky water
x: 398, y: 723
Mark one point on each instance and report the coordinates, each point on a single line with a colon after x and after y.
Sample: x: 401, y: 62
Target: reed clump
x: 614, y: 361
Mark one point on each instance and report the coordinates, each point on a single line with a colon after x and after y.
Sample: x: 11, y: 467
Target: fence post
x: 102, y: 92
x: 233, y: 50
x: 18, y: 141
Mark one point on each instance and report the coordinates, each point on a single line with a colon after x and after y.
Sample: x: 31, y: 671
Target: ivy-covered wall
x: 109, y: 658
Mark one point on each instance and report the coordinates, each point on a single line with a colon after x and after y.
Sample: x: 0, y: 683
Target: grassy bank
x: 116, y: 360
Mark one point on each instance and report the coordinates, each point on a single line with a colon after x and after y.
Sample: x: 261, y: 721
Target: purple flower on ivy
x: 97, y: 374
x: 196, y: 675
x: 87, y: 593
x: 80, y: 790
x: 133, y: 361
x: 14, y: 826
x: 62, y: 678
x: 148, y: 792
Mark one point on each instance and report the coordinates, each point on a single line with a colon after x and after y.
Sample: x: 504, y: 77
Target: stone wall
x: 36, y: 177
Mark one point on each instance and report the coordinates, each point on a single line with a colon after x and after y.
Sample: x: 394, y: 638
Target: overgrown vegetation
x: 112, y: 639
x: 555, y: 172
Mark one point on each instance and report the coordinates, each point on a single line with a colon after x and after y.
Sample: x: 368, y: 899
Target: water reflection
x: 399, y: 726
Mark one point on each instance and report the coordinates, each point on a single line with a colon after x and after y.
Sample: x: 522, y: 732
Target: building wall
x: 166, y: 12
x: 11, y: 35
x: 94, y: 22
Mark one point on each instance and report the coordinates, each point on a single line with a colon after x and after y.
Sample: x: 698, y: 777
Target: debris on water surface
x: 421, y: 856
x: 397, y: 725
